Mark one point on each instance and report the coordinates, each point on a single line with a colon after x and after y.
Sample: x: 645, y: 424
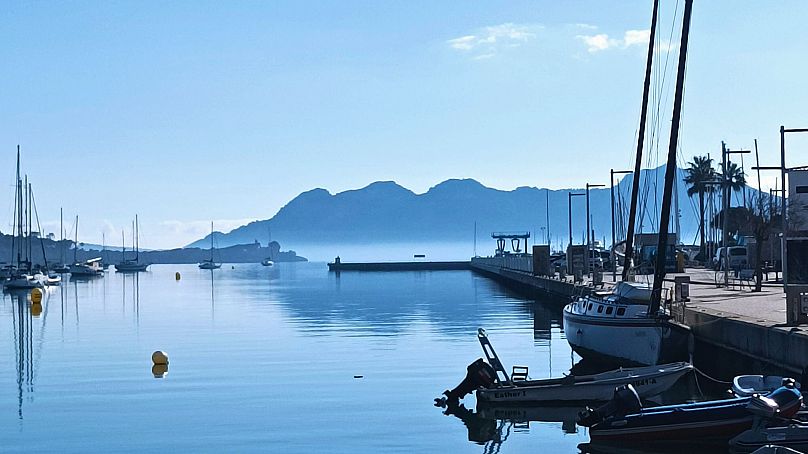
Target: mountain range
x: 385, y: 212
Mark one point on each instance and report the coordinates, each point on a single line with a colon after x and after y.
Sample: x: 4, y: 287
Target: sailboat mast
x: 211, y: 241
x: 19, y: 211
x: 137, y: 240
x: 635, y: 188
x: 61, y: 236
x: 76, y: 245
x: 670, y: 169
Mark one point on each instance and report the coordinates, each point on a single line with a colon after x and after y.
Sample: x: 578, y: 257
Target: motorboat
x: 618, y: 327
x: 267, y: 262
x: 88, y: 268
x: 494, y: 385
x: 53, y: 279
x: 748, y: 385
x: 625, y: 420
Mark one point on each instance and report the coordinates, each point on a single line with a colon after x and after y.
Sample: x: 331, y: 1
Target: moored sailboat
x: 131, y: 265
x: 87, y: 268
x: 210, y: 264
x: 629, y: 325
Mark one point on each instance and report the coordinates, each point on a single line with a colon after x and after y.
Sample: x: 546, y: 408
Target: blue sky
x: 192, y: 111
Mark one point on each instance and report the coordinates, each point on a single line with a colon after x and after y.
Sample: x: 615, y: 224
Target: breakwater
x: 399, y: 266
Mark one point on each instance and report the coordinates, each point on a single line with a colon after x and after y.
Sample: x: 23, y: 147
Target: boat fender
x: 625, y: 401
x: 478, y: 374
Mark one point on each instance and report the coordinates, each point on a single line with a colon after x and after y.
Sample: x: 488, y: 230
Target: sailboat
x: 60, y: 267
x: 627, y: 325
x: 22, y: 276
x: 210, y: 264
x: 268, y: 261
x: 131, y: 265
x: 87, y: 268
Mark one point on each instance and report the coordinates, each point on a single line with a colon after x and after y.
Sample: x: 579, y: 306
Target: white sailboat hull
x: 625, y: 341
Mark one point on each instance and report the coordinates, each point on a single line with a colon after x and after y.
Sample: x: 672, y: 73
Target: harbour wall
x: 727, y: 341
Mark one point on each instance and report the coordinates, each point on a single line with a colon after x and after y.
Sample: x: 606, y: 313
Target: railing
x: 516, y: 262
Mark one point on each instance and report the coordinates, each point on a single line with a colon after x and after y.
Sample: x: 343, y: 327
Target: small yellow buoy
x: 36, y: 309
x: 159, y: 370
x: 159, y: 357
x: 177, y: 276
x: 36, y: 296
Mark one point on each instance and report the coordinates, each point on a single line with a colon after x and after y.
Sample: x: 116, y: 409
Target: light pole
x: 612, y: 173
x: 588, y: 231
x: 726, y: 193
x: 570, y: 195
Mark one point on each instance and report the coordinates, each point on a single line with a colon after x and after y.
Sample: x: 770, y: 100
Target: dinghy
x: 747, y: 385
x: 624, y: 420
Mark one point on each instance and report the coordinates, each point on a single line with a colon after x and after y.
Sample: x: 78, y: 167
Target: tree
x: 699, y: 176
x: 733, y: 176
x: 760, y: 220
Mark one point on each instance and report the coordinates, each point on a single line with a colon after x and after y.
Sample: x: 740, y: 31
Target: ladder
x: 491, y: 357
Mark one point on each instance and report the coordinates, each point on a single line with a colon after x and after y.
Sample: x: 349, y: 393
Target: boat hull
x: 22, y: 283
x: 131, y: 267
x: 646, y: 381
x: 705, y: 421
x: 624, y: 341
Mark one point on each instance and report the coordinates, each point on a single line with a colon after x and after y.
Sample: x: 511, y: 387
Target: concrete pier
x: 399, y: 266
x: 751, y: 324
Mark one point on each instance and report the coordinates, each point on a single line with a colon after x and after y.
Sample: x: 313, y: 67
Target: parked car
x: 738, y: 258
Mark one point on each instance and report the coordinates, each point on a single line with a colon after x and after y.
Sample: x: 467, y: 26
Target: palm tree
x: 734, y: 177
x: 700, y: 176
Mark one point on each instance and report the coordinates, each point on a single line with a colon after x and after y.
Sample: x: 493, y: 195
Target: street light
x: 612, y: 173
x: 570, y: 195
x: 588, y: 231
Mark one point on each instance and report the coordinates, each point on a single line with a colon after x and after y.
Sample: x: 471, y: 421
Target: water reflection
x: 22, y: 328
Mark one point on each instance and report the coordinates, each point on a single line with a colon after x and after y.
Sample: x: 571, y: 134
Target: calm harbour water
x: 264, y: 359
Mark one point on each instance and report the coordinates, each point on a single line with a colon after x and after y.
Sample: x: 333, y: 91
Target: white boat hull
x: 625, y: 341
x: 647, y: 381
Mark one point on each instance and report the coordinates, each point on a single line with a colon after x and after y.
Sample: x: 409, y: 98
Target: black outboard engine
x: 479, y: 373
x: 625, y: 401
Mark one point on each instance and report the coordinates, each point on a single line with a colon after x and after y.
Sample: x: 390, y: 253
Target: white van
x: 738, y: 258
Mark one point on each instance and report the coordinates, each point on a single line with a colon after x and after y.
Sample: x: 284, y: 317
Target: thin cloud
x: 487, y: 41
x: 602, y: 42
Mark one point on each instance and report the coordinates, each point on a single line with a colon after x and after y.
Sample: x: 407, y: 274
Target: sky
x: 187, y: 112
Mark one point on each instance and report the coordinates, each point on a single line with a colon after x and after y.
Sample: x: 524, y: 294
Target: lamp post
x: 612, y: 173
x: 726, y: 193
x: 588, y: 231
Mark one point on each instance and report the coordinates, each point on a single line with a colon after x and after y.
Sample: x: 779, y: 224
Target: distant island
x: 239, y: 253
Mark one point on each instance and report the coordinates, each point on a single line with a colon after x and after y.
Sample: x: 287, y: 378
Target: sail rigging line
x: 39, y: 227
x: 640, y: 143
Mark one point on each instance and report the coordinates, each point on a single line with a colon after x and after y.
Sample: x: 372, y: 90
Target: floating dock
x: 399, y: 266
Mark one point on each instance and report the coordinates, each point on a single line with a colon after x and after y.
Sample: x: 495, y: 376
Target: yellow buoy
x: 36, y: 296
x: 159, y: 370
x: 36, y: 309
x: 177, y: 276
x: 159, y: 357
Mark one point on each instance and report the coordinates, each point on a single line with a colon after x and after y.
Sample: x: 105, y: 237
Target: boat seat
x: 519, y: 373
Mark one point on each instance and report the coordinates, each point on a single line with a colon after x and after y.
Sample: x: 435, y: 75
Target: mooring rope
x: 711, y: 378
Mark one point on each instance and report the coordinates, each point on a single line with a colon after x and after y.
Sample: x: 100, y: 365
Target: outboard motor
x: 479, y: 373
x: 625, y: 401
x: 788, y: 398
